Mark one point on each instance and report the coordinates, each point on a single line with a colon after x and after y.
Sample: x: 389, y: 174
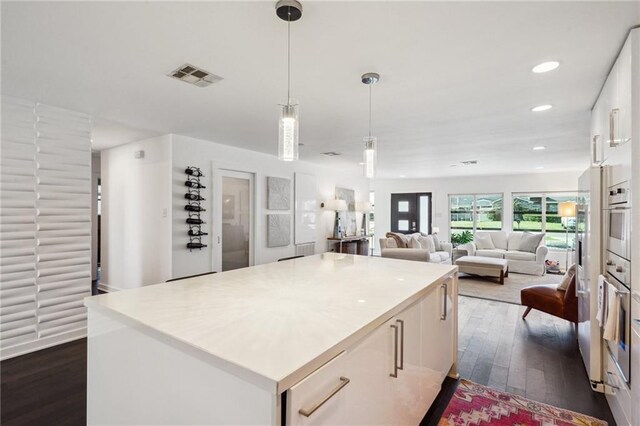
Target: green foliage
x: 463, y: 237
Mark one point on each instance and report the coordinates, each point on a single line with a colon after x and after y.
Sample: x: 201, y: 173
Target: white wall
x: 210, y: 157
x: 136, y: 214
x: 441, y: 188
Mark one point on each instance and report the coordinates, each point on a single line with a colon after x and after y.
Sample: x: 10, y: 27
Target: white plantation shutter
x: 46, y: 226
x: 18, y: 290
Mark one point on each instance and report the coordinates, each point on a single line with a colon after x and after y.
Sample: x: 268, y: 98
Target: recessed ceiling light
x: 403, y: 175
x: 540, y: 108
x: 539, y: 148
x: 361, y: 163
x: 545, y: 67
x: 539, y: 168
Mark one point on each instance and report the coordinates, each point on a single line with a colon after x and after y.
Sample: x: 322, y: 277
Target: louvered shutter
x: 18, y: 290
x: 63, y: 215
x: 45, y: 225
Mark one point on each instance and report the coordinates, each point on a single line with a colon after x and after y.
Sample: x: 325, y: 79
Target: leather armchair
x: 546, y: 298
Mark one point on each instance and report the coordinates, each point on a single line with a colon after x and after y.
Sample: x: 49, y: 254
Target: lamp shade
x: 363, y: 206
x: 435, y: 229
x: 335, y: 205
x: 567, y: 209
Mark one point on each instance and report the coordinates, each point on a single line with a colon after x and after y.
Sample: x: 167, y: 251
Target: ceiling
x: 456, y: 81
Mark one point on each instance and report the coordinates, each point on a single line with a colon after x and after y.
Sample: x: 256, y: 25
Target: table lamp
x: 336, y: 206
x: 364, y: 207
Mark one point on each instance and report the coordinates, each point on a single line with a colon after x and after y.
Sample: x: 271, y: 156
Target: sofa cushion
x: 434, y: 257
x: 497, y: 253
x: 427, y: 243
x: 401, y: 239
x: 483, y: 241
x: 391, y: 243
x: 499, y: 239
x: 436, y: 242
x: 414, y: 243
x: 513, y: 240
x: 530, y: 242
x: 566, y: 279
x: 519, y: 255
x: 444, y: 255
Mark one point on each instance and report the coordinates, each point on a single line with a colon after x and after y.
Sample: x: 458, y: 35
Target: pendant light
x: 289, y: 11
x: 370, y: 142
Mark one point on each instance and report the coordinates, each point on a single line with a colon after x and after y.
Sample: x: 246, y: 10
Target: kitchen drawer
x: 315, y: 388
x: 620, y: 401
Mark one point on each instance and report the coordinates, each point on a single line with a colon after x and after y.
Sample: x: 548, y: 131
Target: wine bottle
x: 195, y: 221
x: 193, y: 197
x: 194, y: 184
x: 193, y: 172
x: 198, y: 233
x: 194, y: 208
x: 196, y: 245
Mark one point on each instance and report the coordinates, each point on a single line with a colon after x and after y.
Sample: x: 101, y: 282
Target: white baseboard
x: 107, y: 288
x: 42, y: 343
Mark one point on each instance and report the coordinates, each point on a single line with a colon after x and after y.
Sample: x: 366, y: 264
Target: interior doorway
x: 235, y: 219
x: 411, y: 212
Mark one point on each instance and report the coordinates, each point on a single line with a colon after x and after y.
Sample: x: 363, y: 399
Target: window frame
x: 474, y: 216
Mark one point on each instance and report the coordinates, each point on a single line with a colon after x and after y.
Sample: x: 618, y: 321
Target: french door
x: 235, y: 220
x: 411, y: 212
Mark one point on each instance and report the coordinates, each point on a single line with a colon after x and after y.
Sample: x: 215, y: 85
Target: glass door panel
x: 236, y: 225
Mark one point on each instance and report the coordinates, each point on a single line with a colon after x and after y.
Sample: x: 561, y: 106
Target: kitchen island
x: 326, y: 339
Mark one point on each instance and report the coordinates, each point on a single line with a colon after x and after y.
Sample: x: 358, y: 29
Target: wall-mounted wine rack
x: 194, y: 208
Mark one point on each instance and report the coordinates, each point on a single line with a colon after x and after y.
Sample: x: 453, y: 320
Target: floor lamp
x: 566, y: 210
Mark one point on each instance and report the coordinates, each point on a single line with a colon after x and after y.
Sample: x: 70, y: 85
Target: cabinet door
x: 599, y: 137
x: 623, y: 97
x: 369, y: 367
x: 410, y: 405
x: 437, y: 344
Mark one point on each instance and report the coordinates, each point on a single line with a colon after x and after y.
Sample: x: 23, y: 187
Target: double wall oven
x: 618, y: 269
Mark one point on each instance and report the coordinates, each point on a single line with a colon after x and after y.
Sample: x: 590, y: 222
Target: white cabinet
x: 391, y: 376
x: 611, y: 117
x: 635, y: 359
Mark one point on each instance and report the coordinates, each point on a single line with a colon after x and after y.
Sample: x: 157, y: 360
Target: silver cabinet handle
x: 445, y: 286
x: 594, y: 149
x: 613, y: 119
x: 307, y: 412
x: 619, y: 269
x: 401, y: 322
x: 395, y: 351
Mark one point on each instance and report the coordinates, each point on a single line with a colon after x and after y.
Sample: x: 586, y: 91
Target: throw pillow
x: 483, y: 241
x: 414, y: 243
x: 566, y: 280
x: 427, y: 243
x: 436, y: 241
x: 530, y: 242
x: 400, y: 243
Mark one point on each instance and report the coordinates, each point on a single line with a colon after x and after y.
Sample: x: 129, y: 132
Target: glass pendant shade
x: 288, y: 132
x: 370, y: 156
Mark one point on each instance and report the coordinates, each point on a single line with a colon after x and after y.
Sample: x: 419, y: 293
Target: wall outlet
x: 139, y: 154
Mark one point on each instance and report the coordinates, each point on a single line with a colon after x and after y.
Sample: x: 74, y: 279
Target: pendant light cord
x: 369, y: 110
x: 289, y: 57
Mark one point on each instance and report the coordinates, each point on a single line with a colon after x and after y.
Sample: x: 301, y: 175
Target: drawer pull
x: 343, y: 382
x: 395, y: 351
x: 445, y: 287
x: 401, y: 322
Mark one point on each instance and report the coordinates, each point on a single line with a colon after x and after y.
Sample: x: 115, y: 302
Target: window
x: 473, y: 212
x: 539, y: 213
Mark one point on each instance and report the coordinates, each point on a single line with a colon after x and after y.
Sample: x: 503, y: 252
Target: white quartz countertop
x: 276, y: 323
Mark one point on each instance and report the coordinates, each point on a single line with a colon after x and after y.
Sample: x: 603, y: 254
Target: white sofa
x: 507, y: 246
x: 440, y: 253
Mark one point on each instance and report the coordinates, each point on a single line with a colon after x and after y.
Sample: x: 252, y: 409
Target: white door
x: 234, y: 220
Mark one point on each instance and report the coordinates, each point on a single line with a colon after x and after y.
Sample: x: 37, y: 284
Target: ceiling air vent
x: 469, y: 162
x: 194, y: 75
x: 331, y: 153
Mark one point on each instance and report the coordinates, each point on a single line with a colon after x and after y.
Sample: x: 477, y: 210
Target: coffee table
x: 484, y: 266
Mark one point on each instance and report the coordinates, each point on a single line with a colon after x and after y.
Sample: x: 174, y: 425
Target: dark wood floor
x: 537, y: 358
x: 46, y: 387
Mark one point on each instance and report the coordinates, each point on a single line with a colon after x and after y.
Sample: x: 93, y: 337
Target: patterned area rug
x: 488, y: 288
x: 474, y: 405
